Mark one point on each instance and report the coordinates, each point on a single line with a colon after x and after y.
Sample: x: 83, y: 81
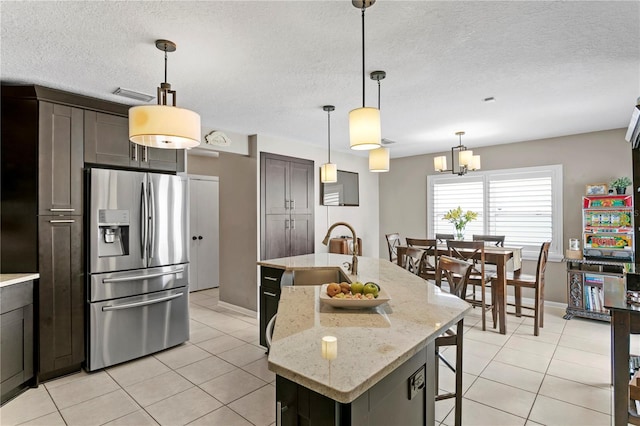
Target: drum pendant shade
x: 163, y: 126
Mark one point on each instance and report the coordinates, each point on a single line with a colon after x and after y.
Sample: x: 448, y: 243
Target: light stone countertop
x: 371, y: 342
x: 10, y: 279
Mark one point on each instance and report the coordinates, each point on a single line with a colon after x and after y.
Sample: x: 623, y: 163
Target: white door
x: 204, y: 222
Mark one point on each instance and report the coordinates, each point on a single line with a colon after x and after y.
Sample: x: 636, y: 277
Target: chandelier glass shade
x: 162, y: 125
x: 466, y: 160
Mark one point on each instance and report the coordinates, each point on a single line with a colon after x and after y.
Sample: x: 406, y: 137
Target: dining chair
x: 444, y: 237
x: 536, y: 282
x: 473, y: 251
x: 496, y: 240
x: 413, y: 260
x: 393, y: 241
x: 456, y: 272
x: 429, y: 258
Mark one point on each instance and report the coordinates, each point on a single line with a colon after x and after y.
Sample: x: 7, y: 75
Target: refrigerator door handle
x: 152, y: 220
x: 138, y: 304
x: 142, y: 277
x: 143, y: 222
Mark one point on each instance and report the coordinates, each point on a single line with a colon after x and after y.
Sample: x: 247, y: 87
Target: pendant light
x: 329, y: 171
x: 162, y: 125
x: 364, y: 123
x: 379, y: 157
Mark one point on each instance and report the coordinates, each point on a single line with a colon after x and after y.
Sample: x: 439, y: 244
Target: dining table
x: 498, y: 256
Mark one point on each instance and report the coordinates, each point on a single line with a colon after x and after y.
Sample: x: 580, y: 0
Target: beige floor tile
x: 220, y: 344
x: 181, y: 356
x: 198, y: 295
x: 66, y: 379
x: 137, y: 418
x: 53, y: 419
x: 447, y: 379
x: 474, y: 414
x: 443, y: 408
x: 249, y: 335
x: 207, y: 302
x: 137, y: 370
x: 214, y: 292
x: 260, y: 369
x: 206, y: 369
x: 471, y: 364
x: 183, y: 408
x: 257, y: 407
x: 552, y: 412
x: 591, y: 397
x: 513, y: 376
x: 593, y: 376
x: 202, y: 333
x: 489, y: 336
x: 232, y: 385
x: 523, y: 359
x: 588, y: 359
x: 158, y: 388
x: 77, y: 391
x: 243, y: 355
x: 229, y: 325
x: 598, y: 346
x: 222, y: 416
x: 33, y: 403
x: 532, y: 423
x: 545, y: 335
x: 503, y: 397
x: 100, y: 410
x: 480, y: 349
x: 529, y: 346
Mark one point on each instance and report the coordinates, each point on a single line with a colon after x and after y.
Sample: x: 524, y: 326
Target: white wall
x: 365, y: 218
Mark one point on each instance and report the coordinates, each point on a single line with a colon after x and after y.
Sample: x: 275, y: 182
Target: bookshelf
x: 586, y: 282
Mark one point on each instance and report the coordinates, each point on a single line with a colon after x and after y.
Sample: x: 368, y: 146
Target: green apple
x: 357, y: 287
x: 371, y: 288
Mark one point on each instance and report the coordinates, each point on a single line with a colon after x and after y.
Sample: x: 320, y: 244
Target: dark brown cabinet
x: 270, y: 281
x: 107, y: 142
x: 287, y: 217
x: 16, y: 339
x: 62, y: 287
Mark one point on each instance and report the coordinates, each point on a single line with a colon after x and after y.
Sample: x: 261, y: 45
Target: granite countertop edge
x: 11, y: 279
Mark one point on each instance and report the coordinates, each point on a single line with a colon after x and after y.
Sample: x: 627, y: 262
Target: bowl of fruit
x: 357, y: 295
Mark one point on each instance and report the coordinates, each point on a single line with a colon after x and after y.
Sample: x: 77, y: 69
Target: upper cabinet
x: 107, y: 142
x: 59, y: 159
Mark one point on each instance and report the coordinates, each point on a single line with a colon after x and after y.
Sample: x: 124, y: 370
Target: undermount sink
x: 318, y: 276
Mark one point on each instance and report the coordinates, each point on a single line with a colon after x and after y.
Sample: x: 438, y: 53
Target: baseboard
x: 239, y: 309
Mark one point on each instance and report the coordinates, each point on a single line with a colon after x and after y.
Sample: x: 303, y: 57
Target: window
x: 523, y: 204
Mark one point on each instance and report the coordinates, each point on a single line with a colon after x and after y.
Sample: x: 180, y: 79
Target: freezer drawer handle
x: 145, y: 303
x: 62, y: 210
x: 62, y: 221
x: 141, y: 277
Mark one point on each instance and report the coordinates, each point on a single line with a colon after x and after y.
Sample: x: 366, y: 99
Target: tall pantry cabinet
x: 287, y: 206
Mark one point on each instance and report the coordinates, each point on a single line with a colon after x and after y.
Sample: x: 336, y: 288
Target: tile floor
x: 220, y: 377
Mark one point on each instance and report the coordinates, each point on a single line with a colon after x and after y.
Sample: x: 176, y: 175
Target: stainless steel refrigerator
x: 138, y: 260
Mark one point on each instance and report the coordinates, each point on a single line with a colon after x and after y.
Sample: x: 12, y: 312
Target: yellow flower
x: 458, y: 218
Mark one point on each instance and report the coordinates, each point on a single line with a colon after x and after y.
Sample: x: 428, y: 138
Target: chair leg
x: 536, y: 313
x: 484, y: 306
x: 494, y: 306
x: 541, y: 286
x: 458, y: 409
x: 437, y: 372
x: 518, y: 296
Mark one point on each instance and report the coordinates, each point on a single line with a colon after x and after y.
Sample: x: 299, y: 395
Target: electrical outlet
x: 416, y: 382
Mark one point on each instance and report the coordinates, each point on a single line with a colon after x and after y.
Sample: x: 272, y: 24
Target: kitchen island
x: 384, y: 372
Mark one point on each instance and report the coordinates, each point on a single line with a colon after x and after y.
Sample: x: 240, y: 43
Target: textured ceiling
x: 267, y: 67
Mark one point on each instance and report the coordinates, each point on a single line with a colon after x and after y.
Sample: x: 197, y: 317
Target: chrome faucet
x: 354, y: 259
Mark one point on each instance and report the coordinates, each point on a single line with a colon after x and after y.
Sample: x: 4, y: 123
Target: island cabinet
x: 16, y: 338
x: 401, y: 398
x: 106, y: 138
x: 270, y: 280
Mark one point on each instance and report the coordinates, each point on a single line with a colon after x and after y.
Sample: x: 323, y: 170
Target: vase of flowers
x: 620, y: 184
x: 460, y: 220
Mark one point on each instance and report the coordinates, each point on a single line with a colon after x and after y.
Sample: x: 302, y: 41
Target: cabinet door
x: 106, y: 140
x: 16, y: 350
x: 269, y: 299
x: 276, y: 236
x: 276, y: 186
x: 60, y: 159
x: 161, y: 159
x: 301, y: 188
x: 61, y: 295
x: 302, y: 241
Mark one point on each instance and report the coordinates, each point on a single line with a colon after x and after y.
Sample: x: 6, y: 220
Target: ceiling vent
x: 131, y: 94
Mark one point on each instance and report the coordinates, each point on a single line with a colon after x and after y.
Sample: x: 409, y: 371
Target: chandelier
x: 466, y: 160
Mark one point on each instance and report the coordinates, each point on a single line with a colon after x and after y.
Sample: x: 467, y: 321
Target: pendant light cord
x: 165, y: 63
x: 363, y: 9
x: 378, y: 94
x: 329, y: 134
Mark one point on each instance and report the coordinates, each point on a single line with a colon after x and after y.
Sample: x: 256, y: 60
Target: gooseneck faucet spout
x: 354, y: 259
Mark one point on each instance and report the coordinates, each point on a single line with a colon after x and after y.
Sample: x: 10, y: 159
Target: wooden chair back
x: 393, y: 241
x: 413, y: 260
x: 430, y: 257
x: 444, y: 237
x: 470, y: 251
x: 496, y: 240
x: 542, y: 263
x: 456, y: 272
